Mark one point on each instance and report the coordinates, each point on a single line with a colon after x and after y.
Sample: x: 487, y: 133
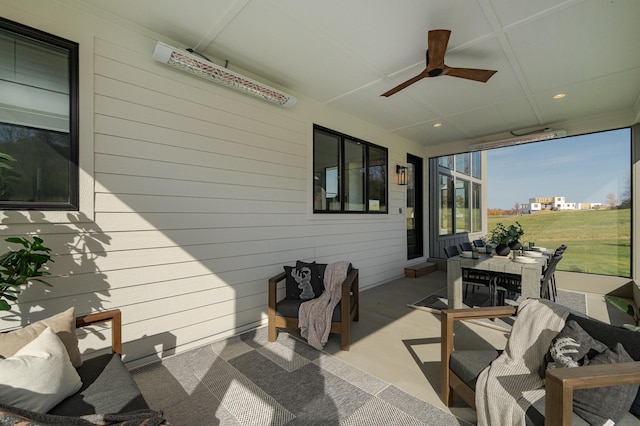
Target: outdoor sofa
x: 107, y: 395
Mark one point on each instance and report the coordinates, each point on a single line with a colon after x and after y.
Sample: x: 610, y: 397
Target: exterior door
x: 415, y: 228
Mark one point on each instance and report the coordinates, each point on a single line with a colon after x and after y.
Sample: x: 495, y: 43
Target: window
x: 462, y: 206
x: 349, y: 175
x: 38, y: 120
x: 476, y: 165
x: 476, y: 212
x: 463, y: 164
x: 445, y: 204
x: 446, y: 162
x: 459, y: 193
x: 575, y: 191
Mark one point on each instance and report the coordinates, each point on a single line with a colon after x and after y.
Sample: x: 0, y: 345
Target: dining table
x: 529, y: 270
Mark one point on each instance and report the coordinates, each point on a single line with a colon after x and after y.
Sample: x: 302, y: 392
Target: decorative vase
x: 515, y: 245
x: 502, y: 250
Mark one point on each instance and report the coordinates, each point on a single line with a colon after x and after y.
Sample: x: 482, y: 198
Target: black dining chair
x: 559, y: 251
x: 451, y: 251
x: 510, y: 284
x: 466, y: 246
x: 479, y: 243
x: 472, y: 277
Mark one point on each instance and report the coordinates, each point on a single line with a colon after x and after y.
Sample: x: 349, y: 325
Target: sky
x: 580, y: 168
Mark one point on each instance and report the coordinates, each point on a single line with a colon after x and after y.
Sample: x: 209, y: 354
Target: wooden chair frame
x: 114, y: 316
x: 559, y: 384
x: 350, y: 287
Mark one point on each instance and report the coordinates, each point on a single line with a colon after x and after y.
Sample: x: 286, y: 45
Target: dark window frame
x: 74, y: 114
x: 441, y: 169
x: 341, y: 172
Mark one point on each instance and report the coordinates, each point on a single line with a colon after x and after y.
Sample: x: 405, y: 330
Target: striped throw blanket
x: 507, y: 387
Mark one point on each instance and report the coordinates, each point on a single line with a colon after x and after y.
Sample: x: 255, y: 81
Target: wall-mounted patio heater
x: 200, y: 67
x: 519, y: 140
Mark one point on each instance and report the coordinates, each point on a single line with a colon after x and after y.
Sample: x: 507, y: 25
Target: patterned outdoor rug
x: 437, y: 301
x: 246, y: 380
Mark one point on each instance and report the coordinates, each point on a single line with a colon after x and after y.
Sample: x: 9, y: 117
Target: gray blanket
x: 314, y: 316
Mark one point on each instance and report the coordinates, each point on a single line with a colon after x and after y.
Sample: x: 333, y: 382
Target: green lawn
x: 598, y: 241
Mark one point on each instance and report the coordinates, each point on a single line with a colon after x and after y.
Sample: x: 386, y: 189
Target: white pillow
x: 38, y: 376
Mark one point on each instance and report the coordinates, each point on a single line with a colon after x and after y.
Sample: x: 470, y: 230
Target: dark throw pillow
x: 610, y: 335
x: 572, y: 347
x: 598, y: 405
x: 303, y: 281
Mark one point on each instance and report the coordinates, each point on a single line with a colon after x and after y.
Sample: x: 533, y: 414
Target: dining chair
x: 511, y: 283
x: 478, y: 243
x: 466, y: 246
x: 472, y: 277
x: 560, y: 250
x: 451, y: 251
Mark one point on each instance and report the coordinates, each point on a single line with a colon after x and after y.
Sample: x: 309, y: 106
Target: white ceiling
x: 345, y: 53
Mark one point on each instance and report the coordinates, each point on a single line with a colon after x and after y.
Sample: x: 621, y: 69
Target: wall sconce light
x: 401, y: 171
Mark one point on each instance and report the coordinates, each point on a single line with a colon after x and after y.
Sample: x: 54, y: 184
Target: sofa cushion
x: 304, y: 281
x: 597, y: 405
x: 290, y: 308
x: 468, y: 364
x: 107, y: 388
x: 63, y: 324
x: 572, y: 347
x: 610, y: 335
x: 39, y: 375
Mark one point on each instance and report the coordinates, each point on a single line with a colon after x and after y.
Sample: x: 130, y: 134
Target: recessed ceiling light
x: 559, y: 96
x: 437, y: 125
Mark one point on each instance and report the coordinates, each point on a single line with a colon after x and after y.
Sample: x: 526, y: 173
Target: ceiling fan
x: 437, y: 46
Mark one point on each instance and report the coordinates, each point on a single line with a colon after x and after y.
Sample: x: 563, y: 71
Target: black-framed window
x: 459, y: 193
x: 38, y: 120
x: 349, y: 175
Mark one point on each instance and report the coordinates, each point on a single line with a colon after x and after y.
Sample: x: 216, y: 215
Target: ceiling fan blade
x: 437, y: 46
x: 470, y: 73
x: 407, y: 83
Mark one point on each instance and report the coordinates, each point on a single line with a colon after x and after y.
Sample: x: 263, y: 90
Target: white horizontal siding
x: 201, y: 194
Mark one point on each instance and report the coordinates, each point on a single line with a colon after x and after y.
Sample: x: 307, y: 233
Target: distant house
x: 554, y: 203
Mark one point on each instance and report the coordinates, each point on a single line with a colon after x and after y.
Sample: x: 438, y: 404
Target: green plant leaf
x: 622, y: 304
x: 17, y: 268
x: 6, y: 157
x: 18, y: 240
x: 4, y: 306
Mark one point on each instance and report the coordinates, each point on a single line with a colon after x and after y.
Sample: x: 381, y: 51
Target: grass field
x: 598, y: 241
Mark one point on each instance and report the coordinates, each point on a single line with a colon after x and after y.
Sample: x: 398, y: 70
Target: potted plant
x: 505, y: 237
x: 499, y: 236
x: 19, y: 267
x: 515, y: 232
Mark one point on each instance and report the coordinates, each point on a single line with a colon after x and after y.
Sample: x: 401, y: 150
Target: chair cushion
x: 107, y: 388
x: 63, y: 324
x: 289, y: 308
x: 610, y: 335
x: 597, y: 405
x: 572, y: 347
x: 304, y: 281
x: 468, y: 364
x: 39, y: 375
